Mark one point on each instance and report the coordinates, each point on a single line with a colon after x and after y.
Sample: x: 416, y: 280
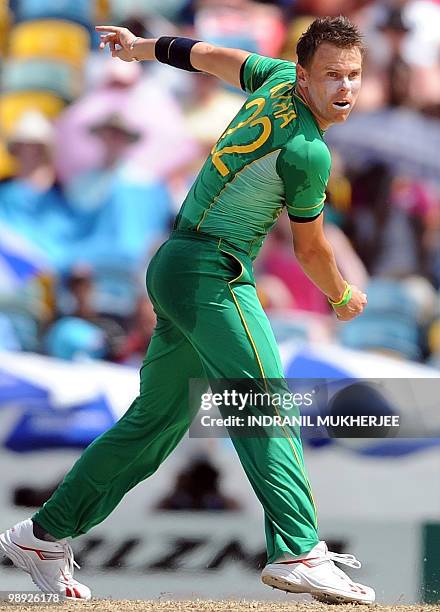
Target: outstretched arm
x: 221, y: 62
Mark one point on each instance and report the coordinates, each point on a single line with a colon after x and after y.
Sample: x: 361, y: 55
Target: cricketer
x: 210, y: 323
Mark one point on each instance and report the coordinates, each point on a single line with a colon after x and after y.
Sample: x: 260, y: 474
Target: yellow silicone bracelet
x: 346, y: 297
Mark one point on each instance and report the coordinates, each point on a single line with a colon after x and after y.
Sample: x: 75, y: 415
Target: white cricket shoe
x: 316, y: 574
x: 50, y: 564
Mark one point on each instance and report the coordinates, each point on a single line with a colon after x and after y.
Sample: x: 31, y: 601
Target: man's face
x: 332, y: 81
x: 114, y: 139
x: 30, y: 153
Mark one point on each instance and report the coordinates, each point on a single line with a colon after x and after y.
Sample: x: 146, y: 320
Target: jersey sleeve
x: 257, y: 69
x: 304, y: 168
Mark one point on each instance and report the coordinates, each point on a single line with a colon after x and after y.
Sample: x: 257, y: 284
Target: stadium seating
x: 13, y: 105
x: 383, y: 332
x: 80, y: 11
x: 58, y: 78
x: 300, y: 326
x: 289, y: 330
x: 122, y: 9
x: 390, y: 297
x: 4, y: 26
x: 43, y: 69
x: 389, y: 323
x: 55, y: 40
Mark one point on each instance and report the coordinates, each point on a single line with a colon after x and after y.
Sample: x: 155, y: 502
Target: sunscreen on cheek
x: 333, y: 87
x: 355, y: 86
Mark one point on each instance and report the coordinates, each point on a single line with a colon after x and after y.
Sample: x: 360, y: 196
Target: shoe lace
x: 70, y: 561
x: 349, y: 560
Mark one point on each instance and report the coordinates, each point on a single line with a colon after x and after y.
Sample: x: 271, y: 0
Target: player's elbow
x: 206, y: 50
x: 202, y: 56
x: 304, y: 253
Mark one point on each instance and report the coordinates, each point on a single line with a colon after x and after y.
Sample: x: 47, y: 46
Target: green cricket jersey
x: 271, y: 155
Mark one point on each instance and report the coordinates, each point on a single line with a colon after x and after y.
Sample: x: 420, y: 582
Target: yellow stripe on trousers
x: 260, y: 365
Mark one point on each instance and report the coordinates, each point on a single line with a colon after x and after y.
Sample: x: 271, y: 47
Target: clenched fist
x: 354, y: 307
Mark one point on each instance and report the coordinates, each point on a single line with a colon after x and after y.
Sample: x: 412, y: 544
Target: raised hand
x: 119, y: 40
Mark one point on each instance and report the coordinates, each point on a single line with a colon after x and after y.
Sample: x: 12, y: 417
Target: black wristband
x: 175, y: 52
x: 161, y: 48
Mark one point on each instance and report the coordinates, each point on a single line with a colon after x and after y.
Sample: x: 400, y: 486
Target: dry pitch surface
x: 102, y: 605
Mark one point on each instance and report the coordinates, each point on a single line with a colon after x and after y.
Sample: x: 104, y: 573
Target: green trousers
x: 210, y: 324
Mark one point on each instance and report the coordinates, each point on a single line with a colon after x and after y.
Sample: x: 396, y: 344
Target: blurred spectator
x: 278, y: 259
x: 209, y: 108
x: 80, y: 286
x: 424, y: 296
x: 381, y: 233
x: 117, y: 207
x: 145, y: 103
x: 140, y: 330
x: 398, y: 72
x: 349, y: 263
x: 33, y: 203
x: 74, y: 339
x: 321, y: 8
x: 419, y: 202
x: 240, y: 23
x: 296, y: 27
x: 90, y: 189
x: 284, y: 285
x: 422, y: 51
x: 273, y: 294
x: 80, y: 331
x: 197, y: 488
x: 403, y: 54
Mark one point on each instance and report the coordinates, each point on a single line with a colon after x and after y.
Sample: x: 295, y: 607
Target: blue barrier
x: 75, y: 427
